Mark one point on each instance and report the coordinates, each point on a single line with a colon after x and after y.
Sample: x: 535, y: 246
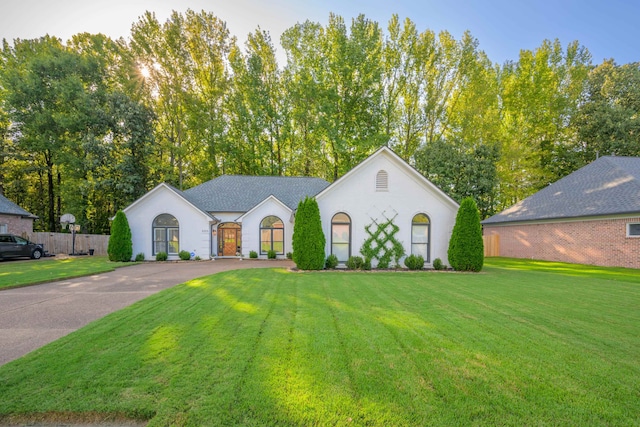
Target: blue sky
x: 609, y: 29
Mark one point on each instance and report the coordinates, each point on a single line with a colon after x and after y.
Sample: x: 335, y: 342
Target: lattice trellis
x: 382, y: 244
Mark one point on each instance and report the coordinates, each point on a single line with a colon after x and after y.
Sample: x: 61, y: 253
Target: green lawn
x: 16, y: 273
x: 523, y: 343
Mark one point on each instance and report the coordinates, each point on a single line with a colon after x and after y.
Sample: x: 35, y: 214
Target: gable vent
x: 382, y: 181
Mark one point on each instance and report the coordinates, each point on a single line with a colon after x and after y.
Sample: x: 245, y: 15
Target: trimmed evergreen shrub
x: 161, y: 256
x: 437, y: 264
x: 184, y: 255
x: 253, y: 254
x: 366, y: 265
x: 140, y: 257
x: 308, y: 239
x: 355, y: 263
x: 120, y: 248
x: 271, y: 254
x: 332, y: 262
x: 466, y: 249
x: 289, y: 255
x: 414, y: 262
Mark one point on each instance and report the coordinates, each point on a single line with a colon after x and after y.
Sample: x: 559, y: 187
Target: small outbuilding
x: 14, y: 219
x: 591, y: 216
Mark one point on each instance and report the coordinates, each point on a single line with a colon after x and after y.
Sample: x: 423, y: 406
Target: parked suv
x: 15, y: 246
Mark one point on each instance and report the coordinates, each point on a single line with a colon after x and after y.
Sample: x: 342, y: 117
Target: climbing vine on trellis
x: 382, y: 243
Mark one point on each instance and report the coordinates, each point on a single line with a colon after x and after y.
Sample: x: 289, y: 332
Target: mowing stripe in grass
x: 274, y: 348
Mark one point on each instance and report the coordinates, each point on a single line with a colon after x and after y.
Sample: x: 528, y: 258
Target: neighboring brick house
x: 14, y: 219
x: 591, y: 216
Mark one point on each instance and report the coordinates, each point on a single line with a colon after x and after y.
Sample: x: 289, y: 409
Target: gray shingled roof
x: 188, y: 199
x: 7, y: 207
x: 608, y: 186
x: 235, y: 193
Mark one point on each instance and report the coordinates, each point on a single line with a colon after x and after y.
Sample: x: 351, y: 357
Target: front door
x: 229, y: 239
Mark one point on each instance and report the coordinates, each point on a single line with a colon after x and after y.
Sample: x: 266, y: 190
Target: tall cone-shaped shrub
x: 466, y: 248
x: 120, y: 246
x: 308, y: 238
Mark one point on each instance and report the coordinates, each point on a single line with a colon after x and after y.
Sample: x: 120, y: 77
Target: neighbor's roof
x: 237, y: 193
x: 7, y: 207
x: 608, y: 186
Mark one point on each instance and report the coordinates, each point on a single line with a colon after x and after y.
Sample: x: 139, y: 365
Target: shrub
x: 184, y: 255
x: 140, y: 257
x: 271, y: 254
x: 466, y: 249
x: 308, y: 239
x: 161, y: 256
x: 120, y: 247
x: 289, y: 255
x: 253, y: 254
x: 414, y: 262
x: 197, y: 258
x: 332, y: 262
x: 437, y: 264
x: 366, y: 265
x: 383, y: 263
x: 355, y: 263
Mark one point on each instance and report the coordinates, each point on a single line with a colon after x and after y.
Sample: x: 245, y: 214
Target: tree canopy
x: 89, y: 125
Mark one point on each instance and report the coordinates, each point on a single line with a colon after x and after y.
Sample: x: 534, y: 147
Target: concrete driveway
x: 33, y: 316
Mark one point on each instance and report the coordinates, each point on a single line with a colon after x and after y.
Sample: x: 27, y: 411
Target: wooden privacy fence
x: 491, y: 245
x: 61, y: 243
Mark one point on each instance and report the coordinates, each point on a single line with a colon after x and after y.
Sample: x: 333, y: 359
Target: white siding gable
x: 193, y: 223
x: 408, y: 193
x: 251, y: 224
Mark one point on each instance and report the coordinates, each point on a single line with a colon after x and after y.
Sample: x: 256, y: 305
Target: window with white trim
x: 382, y: 180
x: 341, y: 236
x: 420, y: 236
x: 633, y: 229
x: 166, y: 234
x: 272, y: 235
x: 4, y: 228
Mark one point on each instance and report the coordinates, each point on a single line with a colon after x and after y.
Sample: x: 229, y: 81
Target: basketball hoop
x: 68, y: 220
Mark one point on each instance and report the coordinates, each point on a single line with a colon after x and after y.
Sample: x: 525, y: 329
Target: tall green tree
x: 539, y: 94
x: 186, y: 63
x: 120, y: 247
x: 308, y: 239
x: 258, y: 125
x: 352, y: 98
x: 462, y: 172
x: 51, y: 94
x: 303, y: 77
x: 466, y: 248
x: 608, y: 118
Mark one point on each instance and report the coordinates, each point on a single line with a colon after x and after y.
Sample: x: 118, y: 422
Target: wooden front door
x: 229, y: 239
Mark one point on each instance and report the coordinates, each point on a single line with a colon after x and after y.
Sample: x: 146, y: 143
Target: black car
x: 15, y: 246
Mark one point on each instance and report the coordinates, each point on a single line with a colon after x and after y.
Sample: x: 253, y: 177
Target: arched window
x: 382, y: 181
x: 420, y: 236
x: 272, y: 235
x: 166, y: 234
x: 341, y: 236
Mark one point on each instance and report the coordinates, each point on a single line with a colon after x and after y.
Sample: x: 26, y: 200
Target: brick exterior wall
x: 598, y: 242
x: 16, y: 224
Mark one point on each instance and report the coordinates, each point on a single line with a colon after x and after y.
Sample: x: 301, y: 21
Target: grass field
x: 16, y: 273
x: 522, y: 343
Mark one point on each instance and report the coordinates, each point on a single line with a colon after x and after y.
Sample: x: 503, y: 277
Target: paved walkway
x: 33, y: 316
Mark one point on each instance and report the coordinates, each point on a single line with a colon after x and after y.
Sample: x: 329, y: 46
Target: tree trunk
x: 51, y: 192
